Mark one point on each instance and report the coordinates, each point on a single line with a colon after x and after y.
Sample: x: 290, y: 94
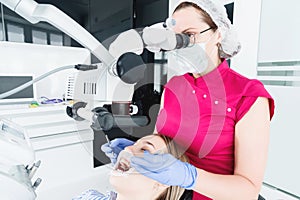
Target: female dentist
x: 220, y: 117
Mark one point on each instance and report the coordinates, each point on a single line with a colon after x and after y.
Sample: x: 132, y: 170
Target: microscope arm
x: 34, y: 13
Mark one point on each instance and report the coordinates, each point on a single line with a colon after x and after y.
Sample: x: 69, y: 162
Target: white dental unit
x: 16, y: 152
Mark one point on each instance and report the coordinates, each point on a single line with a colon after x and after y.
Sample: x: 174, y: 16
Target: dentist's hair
x: 173, y: 192
x: 207, y: 19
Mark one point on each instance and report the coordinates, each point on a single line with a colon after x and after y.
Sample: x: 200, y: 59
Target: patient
x: 131, y: 185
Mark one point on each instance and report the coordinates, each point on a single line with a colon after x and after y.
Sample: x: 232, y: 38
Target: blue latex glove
x: 166, y: 169
x: 113, y: 148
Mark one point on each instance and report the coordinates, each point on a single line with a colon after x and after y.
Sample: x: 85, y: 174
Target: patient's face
x: 130, y: 180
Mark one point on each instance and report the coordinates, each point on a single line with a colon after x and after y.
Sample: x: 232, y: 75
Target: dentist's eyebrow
x: 187, y: 30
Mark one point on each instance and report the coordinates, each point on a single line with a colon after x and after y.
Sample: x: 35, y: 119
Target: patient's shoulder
x: 95, y: 195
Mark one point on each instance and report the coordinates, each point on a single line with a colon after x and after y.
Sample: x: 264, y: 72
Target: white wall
x: 22, y: 58
x: 280, y: 30
x: 283, y: 169
x: 246, y: 20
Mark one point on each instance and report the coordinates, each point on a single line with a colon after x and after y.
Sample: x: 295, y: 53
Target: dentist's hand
x: 113, y: 149
x: 166, y: 169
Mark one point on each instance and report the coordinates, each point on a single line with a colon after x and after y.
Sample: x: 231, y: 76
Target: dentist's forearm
x: 225, y: 187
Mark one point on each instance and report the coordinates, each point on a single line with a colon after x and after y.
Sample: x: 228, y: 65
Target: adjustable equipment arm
x: 34, y: 13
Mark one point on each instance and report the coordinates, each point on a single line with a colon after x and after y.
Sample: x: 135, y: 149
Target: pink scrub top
x: 200, y: 114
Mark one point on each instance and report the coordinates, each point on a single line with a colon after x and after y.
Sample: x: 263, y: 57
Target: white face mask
x: 192, y: 59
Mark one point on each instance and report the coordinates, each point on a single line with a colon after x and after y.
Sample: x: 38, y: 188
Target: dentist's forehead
x: 187, y: 18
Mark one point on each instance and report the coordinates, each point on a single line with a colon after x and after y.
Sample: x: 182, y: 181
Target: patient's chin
x: 120, y: 179
x: 121, y: 184
x: 131, y: 181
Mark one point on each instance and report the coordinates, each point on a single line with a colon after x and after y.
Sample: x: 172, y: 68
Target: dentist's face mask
x: 192, y: 59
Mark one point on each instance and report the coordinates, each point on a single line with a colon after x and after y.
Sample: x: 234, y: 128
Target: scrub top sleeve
x: 252, y: 91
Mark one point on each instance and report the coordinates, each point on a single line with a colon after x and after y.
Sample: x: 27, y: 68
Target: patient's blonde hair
x: 173, y: 192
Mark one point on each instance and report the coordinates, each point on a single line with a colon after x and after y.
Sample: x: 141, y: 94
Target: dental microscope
x: 129, y: 68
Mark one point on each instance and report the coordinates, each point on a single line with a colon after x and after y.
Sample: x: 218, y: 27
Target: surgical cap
x: 229, y: 45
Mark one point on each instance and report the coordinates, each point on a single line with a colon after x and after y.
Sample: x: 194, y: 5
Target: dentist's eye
x: 189, y: 34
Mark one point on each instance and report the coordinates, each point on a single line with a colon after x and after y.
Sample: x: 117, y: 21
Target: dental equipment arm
x: 34, y: 13
x: 155, y: 38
